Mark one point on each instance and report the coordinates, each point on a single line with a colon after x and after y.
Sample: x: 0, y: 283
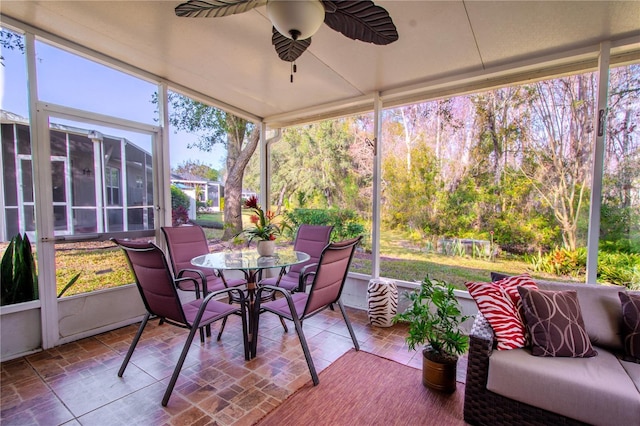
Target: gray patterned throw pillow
x: 631, y: 325
x: 555, y: 322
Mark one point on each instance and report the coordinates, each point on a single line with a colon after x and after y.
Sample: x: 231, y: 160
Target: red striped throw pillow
x: 500, y: 303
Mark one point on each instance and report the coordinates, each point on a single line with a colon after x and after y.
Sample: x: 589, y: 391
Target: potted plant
x: 265, y: 229
x: 434, y: 316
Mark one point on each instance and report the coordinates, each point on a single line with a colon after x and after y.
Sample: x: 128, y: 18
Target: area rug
x: 364, y: 389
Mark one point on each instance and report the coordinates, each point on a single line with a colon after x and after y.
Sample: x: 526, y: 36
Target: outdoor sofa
x: 513, y: 387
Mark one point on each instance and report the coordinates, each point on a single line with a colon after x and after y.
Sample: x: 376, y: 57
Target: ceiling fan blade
x: 361, y: 20
x: 289, y: 50
x: 216, y: 8
x: 329, y: 6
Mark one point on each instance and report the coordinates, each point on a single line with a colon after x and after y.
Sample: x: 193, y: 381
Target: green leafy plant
x: 265, y: 229
x: 434, y: 316
x: 179, y: 206
x: 18, y: 272
x: 19, y: 279
x: 70, y: 284
x: 346, y: 223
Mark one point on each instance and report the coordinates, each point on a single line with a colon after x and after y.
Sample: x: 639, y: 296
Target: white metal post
x: 162, y: 169
x: 43, y: 197
x: 377, y: 180
x: 600, y: 124
x: 265, y: 171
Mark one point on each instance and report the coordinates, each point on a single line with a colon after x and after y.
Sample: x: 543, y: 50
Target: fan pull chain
x: 294, y: 69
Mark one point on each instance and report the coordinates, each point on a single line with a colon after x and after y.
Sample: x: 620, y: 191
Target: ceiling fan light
x: 296, y: 19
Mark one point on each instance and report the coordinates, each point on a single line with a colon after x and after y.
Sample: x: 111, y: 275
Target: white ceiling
x: 232, y: 61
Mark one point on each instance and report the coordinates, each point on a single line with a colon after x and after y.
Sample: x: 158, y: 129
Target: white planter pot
x: 266, y: 248
x: 20, y: 330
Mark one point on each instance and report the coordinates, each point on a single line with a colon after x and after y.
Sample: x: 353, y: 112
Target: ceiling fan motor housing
x: 295, y: 19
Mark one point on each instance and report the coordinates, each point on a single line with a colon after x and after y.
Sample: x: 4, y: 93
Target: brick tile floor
x: 77, y: 383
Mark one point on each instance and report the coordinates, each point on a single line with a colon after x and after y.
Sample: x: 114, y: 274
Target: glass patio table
x: 251, y: 264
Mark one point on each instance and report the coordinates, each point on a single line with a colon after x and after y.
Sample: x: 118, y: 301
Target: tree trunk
x: 237, y: 159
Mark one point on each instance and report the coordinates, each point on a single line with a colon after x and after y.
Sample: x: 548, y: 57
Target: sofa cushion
x: 594, y: 390
x: 633, y: 370
x: 555, y: 323
x: 500, y: 304
x: 601, y: 310
x: 631, y: 325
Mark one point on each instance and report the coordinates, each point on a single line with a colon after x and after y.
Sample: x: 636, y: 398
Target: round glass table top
x: 249, y: 259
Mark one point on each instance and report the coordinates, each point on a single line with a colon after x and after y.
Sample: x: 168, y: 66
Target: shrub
x: 614, y: 268
x: 179, y: 198
x: 620, y: 269
x: 180, y: 204
x: 346, y: 223
x: 179, y: 216
x: 560, y: 261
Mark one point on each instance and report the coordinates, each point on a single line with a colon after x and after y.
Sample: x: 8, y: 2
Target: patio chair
x: 310, y: 239
x: 326, y: 288
x: 185, y: 243
x: 159, y: 294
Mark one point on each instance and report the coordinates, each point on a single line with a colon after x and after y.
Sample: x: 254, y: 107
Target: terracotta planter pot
x: 438, y: 375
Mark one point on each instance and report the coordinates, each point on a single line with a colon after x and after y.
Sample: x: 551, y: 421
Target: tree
x: 215, y: 126
x: 562, y: 138
x: 10, y: 41
x: 410, y: 195
x: 315, y: 160
x: 620, y: 221
x: 198, y: 169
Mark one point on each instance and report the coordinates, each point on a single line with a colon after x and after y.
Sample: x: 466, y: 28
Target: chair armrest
x: 482, y: 341
x: 203, y: 280
x: 241, y: 296
x: 482, y: 330
x: 271, y: 288
x: 306, y: 272
x: 285, y: 293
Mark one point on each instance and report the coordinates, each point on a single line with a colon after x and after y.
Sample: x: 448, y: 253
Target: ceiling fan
x: 295, y: 21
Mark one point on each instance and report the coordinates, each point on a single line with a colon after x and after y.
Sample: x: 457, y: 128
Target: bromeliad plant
x: 265, y: 229
x: 434, y: 318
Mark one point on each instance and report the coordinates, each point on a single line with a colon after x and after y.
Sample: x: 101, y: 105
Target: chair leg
x: 305, y: 349
x: 134, y: 344
x: 176, y: 371
x: 284, y: 325
x: 224, y: 322
x: 346, y: 320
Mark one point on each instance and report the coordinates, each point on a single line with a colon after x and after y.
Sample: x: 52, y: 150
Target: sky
x: 69, y: 80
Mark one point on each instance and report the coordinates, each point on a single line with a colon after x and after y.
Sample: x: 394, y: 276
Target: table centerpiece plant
x: 265, y: 229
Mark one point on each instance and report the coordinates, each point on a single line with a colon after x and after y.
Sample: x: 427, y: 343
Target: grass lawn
x: 102, y: 266
x: 409, y: 262
x: 210, y: 217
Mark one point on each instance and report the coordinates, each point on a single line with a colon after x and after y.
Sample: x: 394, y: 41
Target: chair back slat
x: 331, y: 274
x: 310, y: 239
x: 153, y: 279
